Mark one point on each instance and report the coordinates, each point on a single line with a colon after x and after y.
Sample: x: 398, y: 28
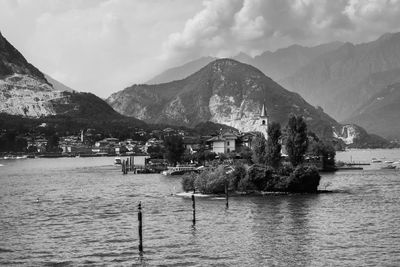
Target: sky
x: 103, y: 46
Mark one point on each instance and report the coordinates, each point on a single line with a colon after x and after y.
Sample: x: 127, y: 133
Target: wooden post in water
x: 227, y: 194
x: 123, y: 166
x: 140, y: 228
x: 194, y: 209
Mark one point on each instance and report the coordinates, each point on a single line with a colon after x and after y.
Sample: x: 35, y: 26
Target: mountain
x: 226, y: 92
x: 380, y: 114
x: 181, y: 72
x: 286, y: 61
x: 336, y: 80
x: 277, y: 65
x: 25, y: 91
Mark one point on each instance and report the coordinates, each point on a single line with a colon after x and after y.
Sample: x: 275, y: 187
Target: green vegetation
x: 266, y: 170
x: 296, y: 139
x: 174, y: 148
x: 259, y: 150
x: 273, y: 151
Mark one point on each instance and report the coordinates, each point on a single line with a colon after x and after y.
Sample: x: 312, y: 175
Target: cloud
x: 224, y: 28
x: 94, y: 45
x: 102, y: 46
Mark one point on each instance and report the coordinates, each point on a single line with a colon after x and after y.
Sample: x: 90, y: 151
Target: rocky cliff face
x: 26, y: 91
x: 24, y: 95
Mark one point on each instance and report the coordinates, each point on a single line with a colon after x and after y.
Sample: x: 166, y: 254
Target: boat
x: 388, y: 161
x: 117, y: 160
x: 180, y: 169
x: 388, y: 167
x: 375, y: 160
x: 348, y: 168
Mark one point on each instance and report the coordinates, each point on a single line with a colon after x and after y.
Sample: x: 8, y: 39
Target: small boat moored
x: 388, y: 167
x: 117, y: 161
x: 375, y: 160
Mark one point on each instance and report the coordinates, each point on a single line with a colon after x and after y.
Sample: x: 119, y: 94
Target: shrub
x: 285, y: 170
x: 258, y: 176
x: 211, y: 181
x: 188, y: 182
x: 304, y: 179
x: 238, y: 174
x: 277, y: 183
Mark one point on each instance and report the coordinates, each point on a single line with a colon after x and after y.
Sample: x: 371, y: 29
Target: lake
x: 83, y: 212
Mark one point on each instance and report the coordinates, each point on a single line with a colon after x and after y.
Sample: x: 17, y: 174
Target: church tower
x: 263, y: 122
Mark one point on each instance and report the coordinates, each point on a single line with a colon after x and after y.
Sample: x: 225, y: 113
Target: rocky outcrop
x: 24, y: 95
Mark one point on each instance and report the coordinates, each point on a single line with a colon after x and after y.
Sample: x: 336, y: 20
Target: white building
x: 264, y: 121
x: 224, y: 143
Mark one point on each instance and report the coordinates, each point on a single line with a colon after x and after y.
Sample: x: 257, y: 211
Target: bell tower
x: 264, y: 121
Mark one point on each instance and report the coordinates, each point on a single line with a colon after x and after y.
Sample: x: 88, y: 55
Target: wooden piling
x: 194, y: 210
x: 140, y: 228
x: 227, y: 195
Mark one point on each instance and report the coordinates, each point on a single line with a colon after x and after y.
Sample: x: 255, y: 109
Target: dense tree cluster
x: 174, y: 149
x: 296, y: 139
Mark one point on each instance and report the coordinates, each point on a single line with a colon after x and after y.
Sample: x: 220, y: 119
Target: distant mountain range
x: 380, y: 114
x: 338, y: 77
x: 223, y: 92
x: 228, y: 92
x: 335, y: 80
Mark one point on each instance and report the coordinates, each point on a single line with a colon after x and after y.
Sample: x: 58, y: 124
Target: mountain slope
x: 286, y: 61
x: 380, y: 114
x: 27, y: 92
x: 181, y: 72
x: 12, y: 61
x: 277, y: 65
x: 326, y: 80
x: 225, y: 91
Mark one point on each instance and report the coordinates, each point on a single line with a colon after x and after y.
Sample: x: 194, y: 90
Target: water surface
x: 83, y: 211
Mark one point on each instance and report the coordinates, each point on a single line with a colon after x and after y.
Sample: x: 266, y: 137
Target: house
x: 224, y: 143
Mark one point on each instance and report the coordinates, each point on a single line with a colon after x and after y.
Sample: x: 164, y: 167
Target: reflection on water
x: 84, y: 212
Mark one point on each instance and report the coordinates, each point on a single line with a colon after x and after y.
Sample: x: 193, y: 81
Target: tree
x: 52, y: 143
x: 246, y: 154
x: 326, y: 151
x: 174, y: 148
x: 296, y: 139
x: 273, y: 145
x: 259, y: 149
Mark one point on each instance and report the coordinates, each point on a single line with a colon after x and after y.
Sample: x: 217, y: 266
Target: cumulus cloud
x: 224, y: 28
x: 94, y: 45
x: 105, y: 45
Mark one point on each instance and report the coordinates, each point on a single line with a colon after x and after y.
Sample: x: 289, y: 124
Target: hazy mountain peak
x: 389, y: 36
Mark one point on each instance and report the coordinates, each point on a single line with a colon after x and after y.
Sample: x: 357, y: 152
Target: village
x: 149, y: 150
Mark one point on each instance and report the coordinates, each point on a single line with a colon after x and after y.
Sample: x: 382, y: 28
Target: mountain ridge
x: 225, y: 91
